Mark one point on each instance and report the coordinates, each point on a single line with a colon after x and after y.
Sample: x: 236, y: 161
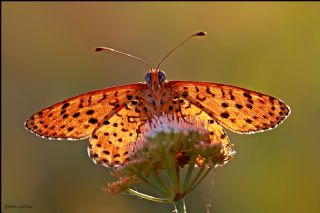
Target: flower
x: 167, y: 145
x: 187, y: 137
x: 120, y: 185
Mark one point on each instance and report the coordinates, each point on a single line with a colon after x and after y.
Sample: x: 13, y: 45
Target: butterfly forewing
x: 238, y: 109
x: 77, y: 117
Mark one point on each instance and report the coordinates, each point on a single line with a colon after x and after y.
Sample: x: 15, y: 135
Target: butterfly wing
x: 238, y: 109
x: 77, y: 117
x: 181, y: 107
x: 184, y: 108
x: 109, y: 142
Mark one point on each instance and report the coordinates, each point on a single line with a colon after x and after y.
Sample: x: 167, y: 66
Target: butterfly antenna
x: 98, y: 49
x: 182, y: 43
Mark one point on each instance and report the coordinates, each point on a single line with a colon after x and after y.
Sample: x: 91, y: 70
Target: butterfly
x: 113, y: 117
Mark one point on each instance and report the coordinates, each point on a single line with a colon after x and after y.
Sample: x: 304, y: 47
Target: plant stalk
x: 147, y: 197
x: 180, y: 206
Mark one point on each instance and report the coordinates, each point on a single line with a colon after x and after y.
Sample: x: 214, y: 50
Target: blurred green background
x: 47, y: 56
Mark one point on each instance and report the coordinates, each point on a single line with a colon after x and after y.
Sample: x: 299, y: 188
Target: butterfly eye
x: 161, y: 77
x: 148, y: 79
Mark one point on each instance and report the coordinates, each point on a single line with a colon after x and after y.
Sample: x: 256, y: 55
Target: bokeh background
x: 47, y: 56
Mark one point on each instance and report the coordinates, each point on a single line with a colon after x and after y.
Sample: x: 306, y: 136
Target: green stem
x: 150, y: 184
x: 159, y: 182
x: 172, y: 173
x: 196, y: 178
x: 188, y: 176
x: 199, y: 181
x: 147, y: 197
x: 180, y: 206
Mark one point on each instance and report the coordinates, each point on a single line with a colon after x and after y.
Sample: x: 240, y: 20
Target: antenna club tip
x: 97, y: 49
x: 201, y: 34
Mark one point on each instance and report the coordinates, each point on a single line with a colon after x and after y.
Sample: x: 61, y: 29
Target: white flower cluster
x: 171, y: 123
x: 167, y: 123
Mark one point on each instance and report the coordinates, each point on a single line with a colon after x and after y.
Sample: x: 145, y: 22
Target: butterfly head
x: 155, y: 78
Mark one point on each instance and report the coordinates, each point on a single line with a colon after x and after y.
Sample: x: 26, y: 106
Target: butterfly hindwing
x: 110, y: 140
x: 183, y: 108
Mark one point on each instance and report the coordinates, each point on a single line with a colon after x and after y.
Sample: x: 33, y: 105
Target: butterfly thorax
x: 157, y: 100
x: 156, y: 95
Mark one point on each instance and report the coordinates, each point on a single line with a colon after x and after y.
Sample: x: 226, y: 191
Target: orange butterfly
x: 113, y: 117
